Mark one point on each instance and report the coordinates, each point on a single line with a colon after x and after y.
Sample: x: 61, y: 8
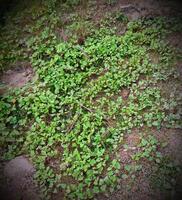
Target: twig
x: 92, y: 111
x: 84, y: 53
x: 86, y: 108
x: 72, y: 125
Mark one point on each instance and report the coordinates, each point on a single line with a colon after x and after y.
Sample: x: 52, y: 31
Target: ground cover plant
x: 91, y: 91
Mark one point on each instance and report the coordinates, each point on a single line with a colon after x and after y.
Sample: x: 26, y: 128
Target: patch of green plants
x: 164, y: 174
x: 72, y: 120
x: 148, y: 149
x: 130, y: 171
x: 111, y: 2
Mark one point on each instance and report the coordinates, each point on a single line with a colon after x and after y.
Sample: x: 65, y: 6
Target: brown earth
x: 17, y: 76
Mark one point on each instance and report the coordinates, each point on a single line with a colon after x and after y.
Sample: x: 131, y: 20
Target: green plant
x: 72, y: 120
x: 110, y: 2
x: 148, y: 149
x: 164, y: 174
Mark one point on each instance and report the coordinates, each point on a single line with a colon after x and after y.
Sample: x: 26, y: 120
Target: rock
x: 131, y: 11
x: 20, y: 184
x: 134, y: 16
x: 18, y: 167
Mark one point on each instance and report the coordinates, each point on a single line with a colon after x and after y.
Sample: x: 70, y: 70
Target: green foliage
x: 148, y: 149
x: 111, y: 2
x: 164, y: 175
x: 73, y: 2
x: 73, y: 119
x: 50, y: 4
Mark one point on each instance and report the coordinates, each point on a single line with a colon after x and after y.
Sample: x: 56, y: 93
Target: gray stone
x: 18, y: 167
x: 20, y: 183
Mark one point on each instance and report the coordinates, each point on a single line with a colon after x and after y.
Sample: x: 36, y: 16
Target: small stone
x: 20, y: 184
x: 19, y: 166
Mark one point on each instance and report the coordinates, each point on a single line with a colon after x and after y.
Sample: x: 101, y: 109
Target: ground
x: 149, y: 157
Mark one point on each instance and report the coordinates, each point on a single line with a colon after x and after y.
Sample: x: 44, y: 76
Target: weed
x: 59, y: 111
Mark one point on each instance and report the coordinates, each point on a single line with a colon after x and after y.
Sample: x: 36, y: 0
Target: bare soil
x: 16, y: 77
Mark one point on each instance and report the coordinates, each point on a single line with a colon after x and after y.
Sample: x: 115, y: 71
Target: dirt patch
x: 179, y: 68
x: 132, y: 140
x: 175, y: 146
x: 175, y: 40
x: 137, y: 9
x: 125, y: 93
x: 62, y: 34
x: 17, y: 76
